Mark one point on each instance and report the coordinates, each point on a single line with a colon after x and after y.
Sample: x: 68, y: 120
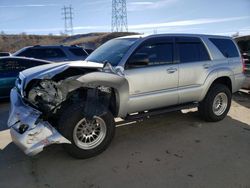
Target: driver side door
x: 152, y: 75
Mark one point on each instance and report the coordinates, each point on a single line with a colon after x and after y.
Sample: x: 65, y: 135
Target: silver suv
x: 131, y: 78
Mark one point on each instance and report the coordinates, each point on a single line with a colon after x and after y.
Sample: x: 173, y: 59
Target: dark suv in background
x: 244, y: 45
x: 53, y: 53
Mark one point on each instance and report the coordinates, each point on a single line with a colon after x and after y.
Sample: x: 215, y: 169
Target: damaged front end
x: 28, y: 130
x: 38, y: 100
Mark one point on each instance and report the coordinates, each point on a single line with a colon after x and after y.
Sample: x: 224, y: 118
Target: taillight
x: 243, y: 65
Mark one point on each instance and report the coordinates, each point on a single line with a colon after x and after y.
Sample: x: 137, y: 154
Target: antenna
x: 67, y: 13
x: 119, y: 16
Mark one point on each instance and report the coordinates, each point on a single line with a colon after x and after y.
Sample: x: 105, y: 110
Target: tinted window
x: 112, y: 51
x: 192, y: 51
x: 17, y: 65
x: 42, y: 53
x: 89, y: 51
x: 2, y: 54
x: 155, y: 54
x: 226, y: 47
x: 11, y: 65
x: 78, y: 51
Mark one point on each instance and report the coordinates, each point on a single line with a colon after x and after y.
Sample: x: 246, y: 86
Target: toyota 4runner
x: 129, y: 77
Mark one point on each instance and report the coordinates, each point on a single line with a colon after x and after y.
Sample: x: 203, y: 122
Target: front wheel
x: 216, y: 104
x: 89, y: 137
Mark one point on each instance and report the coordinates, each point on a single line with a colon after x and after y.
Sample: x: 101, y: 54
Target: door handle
x: 206, y: 66
x: 171, y: 70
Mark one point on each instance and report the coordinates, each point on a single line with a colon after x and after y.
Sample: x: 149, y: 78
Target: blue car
x: 9, y: 69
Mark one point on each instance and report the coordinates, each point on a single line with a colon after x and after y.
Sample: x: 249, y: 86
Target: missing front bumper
x: 28, y: 131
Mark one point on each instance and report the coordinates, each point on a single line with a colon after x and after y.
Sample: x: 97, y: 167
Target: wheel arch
x: 118, y: 84
x: 221, y: 76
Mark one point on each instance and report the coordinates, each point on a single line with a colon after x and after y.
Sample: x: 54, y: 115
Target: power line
x: 119, y: 16
x: 67, y: 13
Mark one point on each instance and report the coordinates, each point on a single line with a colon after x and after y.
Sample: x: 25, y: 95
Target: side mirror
x: 138, y: 60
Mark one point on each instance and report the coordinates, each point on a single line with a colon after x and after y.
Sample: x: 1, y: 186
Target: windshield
x: 111, y: 51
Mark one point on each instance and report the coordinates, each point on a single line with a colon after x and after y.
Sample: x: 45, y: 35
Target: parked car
x: 131, y: 78
x: 244, y: 45
x: 2, y: 54
x: 53, y: 53
x: 9, y: 70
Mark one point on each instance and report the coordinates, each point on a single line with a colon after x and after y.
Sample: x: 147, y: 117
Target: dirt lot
x: 174, y: 150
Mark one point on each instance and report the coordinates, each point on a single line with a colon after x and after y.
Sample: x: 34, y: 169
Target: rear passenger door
x: 194, y: 64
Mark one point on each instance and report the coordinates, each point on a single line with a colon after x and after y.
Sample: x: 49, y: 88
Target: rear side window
x: 78, y: 52
x: 191, y: 50
x: 226, y: 47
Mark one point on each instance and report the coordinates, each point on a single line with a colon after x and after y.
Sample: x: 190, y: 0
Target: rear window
x: 191, y: 50
x: 226, y: 47
x: 43, y: 53
x: 78, y: 52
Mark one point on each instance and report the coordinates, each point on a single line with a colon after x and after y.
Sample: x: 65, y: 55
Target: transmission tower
x: 119, y: 16
x: 67, y: 13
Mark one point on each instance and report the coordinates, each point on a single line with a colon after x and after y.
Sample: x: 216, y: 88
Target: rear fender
x: 221, y: 72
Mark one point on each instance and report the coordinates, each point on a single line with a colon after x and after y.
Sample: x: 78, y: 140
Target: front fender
x: 119, y: 83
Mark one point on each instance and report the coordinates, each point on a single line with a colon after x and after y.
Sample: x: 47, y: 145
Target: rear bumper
x: 246, y: 84
x: 238, y: 82
x: 28, y: 131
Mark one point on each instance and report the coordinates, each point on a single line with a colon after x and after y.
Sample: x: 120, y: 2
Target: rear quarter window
x: 226, y: 47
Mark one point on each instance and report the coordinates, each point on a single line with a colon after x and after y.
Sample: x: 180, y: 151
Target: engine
x: 46, y: 95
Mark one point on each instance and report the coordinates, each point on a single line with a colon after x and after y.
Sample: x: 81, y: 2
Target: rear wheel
x: 216, y: 104
x: 89, y: 137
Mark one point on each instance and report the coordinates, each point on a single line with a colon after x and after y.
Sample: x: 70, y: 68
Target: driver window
x: 151, y: 55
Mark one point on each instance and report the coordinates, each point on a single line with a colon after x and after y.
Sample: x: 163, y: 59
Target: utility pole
x: 67, y: 13
x: 119, y: 16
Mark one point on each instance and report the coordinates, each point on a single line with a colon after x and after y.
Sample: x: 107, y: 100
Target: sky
x: 224, y: 17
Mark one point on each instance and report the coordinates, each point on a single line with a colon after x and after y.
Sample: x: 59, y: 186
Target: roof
x: 177, y: 35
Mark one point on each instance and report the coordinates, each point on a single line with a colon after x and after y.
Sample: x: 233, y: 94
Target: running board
x: 159, y: 111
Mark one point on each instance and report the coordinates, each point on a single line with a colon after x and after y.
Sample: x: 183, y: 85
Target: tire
x: 213, y: 108
x: 72, y: 121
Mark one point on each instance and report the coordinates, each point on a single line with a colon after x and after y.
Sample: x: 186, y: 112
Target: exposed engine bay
x: 46, y: 94
x: 50, y: 96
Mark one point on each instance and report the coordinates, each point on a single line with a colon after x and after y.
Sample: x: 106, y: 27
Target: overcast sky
x: 146, y: 16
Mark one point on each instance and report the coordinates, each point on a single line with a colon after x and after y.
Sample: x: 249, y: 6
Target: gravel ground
x: 174, y: 150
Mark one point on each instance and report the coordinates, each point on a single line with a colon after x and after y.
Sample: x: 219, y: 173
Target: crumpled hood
x: 50, y: 70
